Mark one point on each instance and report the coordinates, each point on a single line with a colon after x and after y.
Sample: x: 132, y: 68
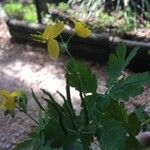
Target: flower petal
x: 79, y: 26
x: 48, y: 32
x: 15, y: 94
x: 84, y: 33
x: 7, y: 100
x: 10, y: 104
x: 2, y: 107
x: 5, y: 93
x: 58, y: 29
x: 81, y: 29
x: 2, y: 102
x: 53, y: 48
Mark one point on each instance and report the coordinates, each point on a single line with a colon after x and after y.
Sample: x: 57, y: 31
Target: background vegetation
x: 102, y: 15
x: 24, y: 10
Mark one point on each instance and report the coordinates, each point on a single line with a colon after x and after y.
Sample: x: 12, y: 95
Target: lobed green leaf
x: 134, y: 125
x: 131, y: 86
x: 113, y: 135
x: 79, y: 73
x: 131, y: 143
x: 117, y: 63
x: 22, y: 101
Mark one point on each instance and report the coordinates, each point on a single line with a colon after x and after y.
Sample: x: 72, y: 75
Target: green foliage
x: 29, y: 13
x: 118, y: 62
x: 25, y: 145
x: 13, y: 10
x: 103, y: 116
x: 131, y: 143
x: 22, y: 12
x: 130, y: 20
x: 63, y: 6
x: 22, y: 101
x: 104, y: 19
x: 113, y: 135
x: 29, y: 145
x: 116, y: 111
x: 130, y: 86
x: 133, y: 125
x: 115, y: 15
x: 9, y: 112
x: 143, y: 117
x: 78, y: 73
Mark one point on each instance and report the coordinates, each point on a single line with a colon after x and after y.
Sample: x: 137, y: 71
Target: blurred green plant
x: 13, y: 10
x: 63, y: 6
x: 29, y: 12
x: 19, y: 11
x: 102, y: 116
x: 130, y: 20
x: 106, y: 13
x: 104, y: 19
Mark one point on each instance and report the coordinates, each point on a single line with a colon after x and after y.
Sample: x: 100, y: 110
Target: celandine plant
x: 103, y: 118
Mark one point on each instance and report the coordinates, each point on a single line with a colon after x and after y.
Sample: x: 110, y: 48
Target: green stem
x: 71, y: 111
x: 85, y: 108
x: 60, y: 114
x: 28, y: 115
x: 72, y: 131
x: 68, y: 91
x: 146, y: 122
x: 69, y: 54
x: 50, y: 116
x: 88, y: 133
x: 51, y: 98
x: 70, y: 39
x: 36, y: 99
x: 67, y: 45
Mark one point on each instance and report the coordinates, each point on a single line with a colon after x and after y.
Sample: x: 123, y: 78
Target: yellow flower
x: 7, y: 99
x: 81, y: 29
x: 48, y: 36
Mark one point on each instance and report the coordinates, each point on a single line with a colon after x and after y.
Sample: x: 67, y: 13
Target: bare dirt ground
x: 25, y: 67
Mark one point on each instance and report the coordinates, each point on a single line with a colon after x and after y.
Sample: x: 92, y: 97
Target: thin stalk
x: 28, y: 115
x: 51, y: 117
x: 70, y: 111
x: 146, y: 122
x: 67, y: 45
x: 72, y: 131
x: 51, y: 98
x: 59, y: 114
x: 69, y: 96
x: 85, y: 108
x: 88, y: 133
x: 69, y: 39
x: 37, y: 101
